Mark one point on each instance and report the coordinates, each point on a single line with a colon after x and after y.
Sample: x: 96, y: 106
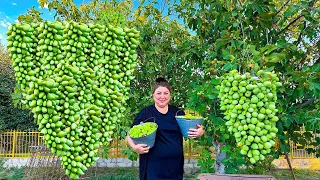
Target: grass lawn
x: 11, y: 173
x: 300, y: 174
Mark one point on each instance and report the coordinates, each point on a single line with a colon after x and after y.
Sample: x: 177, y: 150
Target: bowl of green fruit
x: 144, y: 133
x: 188, y: 121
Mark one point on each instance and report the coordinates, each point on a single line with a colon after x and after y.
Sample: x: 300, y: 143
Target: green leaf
x: 226, y: 136
x: 227, y: 56
x: 287, y: 120
x: 252, y: 49
x: 292, y: 47
x: 218, y: 121
x: 315, y: 85
x: 214, y: 81
x: 285, y: 147
x: 307, y: 134
x: 280, y: 126
x: 275, y: 57
x: 291, y: 11
x: 281, y: 89
x: 211, y: 96
x: 268, y: 48
x: 217, y: 23
x: 222, y: 41
x: 228, y: 66
x: 266, y: 15
x: 282, y: 137
x: 269, y: 69
x: 226, y: 148
x: 315, y: 68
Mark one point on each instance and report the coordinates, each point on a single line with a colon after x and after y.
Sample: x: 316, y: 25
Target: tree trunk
x: 218, y: 165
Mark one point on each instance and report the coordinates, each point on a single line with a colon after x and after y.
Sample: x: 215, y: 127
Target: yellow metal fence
x: 16, y: 144
x: 298, y: 151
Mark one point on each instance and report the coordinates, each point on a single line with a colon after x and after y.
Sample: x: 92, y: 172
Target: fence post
x: 38, y: 137
x: 190, y: 150
x: 14, y: 143
x: 117, y: 146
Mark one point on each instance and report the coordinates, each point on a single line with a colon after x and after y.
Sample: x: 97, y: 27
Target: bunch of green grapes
x: 142, y: 130
x: 249, y: 105
x: 191, y: 116
x: 75, y: 78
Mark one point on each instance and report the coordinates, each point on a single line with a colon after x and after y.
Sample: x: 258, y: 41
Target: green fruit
x: 143, y: 129
x: 249, y: 107
x: 267, y: 145
x: 252, y: 160
x: 190, y: 116
x: 57, y: 80
x: 257, y: 139
x: 264, y: 138
x: 254, y: 99
x: 261, y: 116
x: 254, y: 146
x: 250, y: 138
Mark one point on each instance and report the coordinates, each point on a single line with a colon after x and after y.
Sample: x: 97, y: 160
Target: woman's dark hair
x: 161, y: 82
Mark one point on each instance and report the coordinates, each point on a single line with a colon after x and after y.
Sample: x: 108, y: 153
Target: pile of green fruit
x: 190, y: 116
x: 249, y: 105
x: 143, y: 129
x: 75, y: 79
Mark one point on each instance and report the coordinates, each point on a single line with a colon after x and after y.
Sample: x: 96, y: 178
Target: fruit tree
x: 196, y: 44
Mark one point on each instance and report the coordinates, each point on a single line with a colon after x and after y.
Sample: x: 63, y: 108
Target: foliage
x: 11, y: 117
x: 253, y: 35
x: 32, y: 15
x: 234, y: 160
x: 132, y: 155
x: 206, y: 162
x: 262, y: 167
x: 97, y: 12
x: 108, y: 12
x: 163, y: 51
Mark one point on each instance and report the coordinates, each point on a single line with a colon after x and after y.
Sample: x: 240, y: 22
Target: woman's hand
x: 141, y: 148
x: 194, y: 133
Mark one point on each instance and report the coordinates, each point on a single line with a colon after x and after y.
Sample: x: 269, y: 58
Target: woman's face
x: 161, y: 96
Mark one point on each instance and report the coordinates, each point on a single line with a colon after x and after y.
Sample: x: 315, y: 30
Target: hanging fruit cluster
x: 249, y: 107
x: 74, y: 78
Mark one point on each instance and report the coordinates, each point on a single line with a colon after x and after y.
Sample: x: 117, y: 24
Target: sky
x: 11, y: 9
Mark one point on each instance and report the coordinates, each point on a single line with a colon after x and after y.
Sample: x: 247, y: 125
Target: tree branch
x: 291, y: 23
x: 300, y: 35
x: 285, y: 4
x: 289, y: 163
x: 215, y: 145
x: 312, y: 3
x: 305, y: 103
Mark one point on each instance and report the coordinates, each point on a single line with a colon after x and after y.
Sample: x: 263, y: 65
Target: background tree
x: 12, y: 117
x: 249, y: 36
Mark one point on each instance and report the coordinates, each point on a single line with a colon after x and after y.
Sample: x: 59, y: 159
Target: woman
x: 165, y: 160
